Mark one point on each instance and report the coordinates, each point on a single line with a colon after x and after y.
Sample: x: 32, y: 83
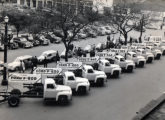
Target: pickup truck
x: 108, y: 68
x: 147, y: 55
x: 78, y: 84
x: 138, y: 60
x: 94, y: 76
x: 47, y: 90
x: 160, y: 47
x: 127, y: 65
x: 157, y: 53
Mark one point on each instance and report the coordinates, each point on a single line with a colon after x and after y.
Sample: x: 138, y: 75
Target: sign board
x: 88, y: 60
x: 119, y: 51
x: 24, y: 78
x: 125, y: 47
x: 149, y: 43
x: 40, y: 70
x: 69, y: 65
x: 139, y: 44
x: 155, y: 39
x: 106, y: 54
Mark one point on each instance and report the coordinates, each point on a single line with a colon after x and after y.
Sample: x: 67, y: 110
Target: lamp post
x: 5, y: 81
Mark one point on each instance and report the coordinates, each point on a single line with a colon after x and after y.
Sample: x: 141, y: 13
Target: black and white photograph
x: 82, y: 59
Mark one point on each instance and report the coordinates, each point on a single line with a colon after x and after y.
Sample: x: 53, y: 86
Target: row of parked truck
x: 59, y: 83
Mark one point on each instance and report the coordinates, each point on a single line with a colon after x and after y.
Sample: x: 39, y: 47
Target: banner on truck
x: 40, y: 70
x: 25, y: 78
x: 106, y: 54
x: 88, y: 60
x: 69, y: 65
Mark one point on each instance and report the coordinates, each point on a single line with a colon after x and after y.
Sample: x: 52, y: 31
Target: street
x: 120, y: 99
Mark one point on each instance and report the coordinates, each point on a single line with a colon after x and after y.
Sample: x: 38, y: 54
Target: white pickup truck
x: 77, y: 84
x: 34, y: 87
x: 138, y: 60
x: 147, y: 55
x: 94, y: 76
x: 157, y: 53
x: 160, y: 47
x: 127, y: 65
x: 108, y: 68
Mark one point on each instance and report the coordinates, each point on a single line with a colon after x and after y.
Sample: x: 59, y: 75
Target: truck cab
x: 56, y: 92
x: 127, y: 65
x: 147, y: 55
x: 77, y: 84
x: 138, y: 60
x: 160, y: 47
x: 108, y: 68
x: 94, y: 76
x: 157, y: 53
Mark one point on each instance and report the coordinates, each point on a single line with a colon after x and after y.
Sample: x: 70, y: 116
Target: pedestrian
x: 140, y: 40
x: 130, y: 40
x: 22, y: 66
x: 45, y: 62
x: 57, y: 57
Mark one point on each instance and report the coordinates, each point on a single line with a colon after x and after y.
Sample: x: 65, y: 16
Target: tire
x: 149, y: 60
x: 130, y: 69
x: 63, y: 99
x: 16, y: 92
x: 82, y: 90
x: 141, y: 64
x: 100, y: 82
x: 13, y: 101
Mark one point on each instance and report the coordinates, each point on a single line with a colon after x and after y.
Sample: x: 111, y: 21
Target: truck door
x: 71, y: 81
x: 50, y: 91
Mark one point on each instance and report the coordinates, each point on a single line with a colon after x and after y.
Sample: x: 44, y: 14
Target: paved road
x: 120, y: 99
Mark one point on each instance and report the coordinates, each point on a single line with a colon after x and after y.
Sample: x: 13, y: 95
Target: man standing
x: 22, y: 66
x: 45, y: 62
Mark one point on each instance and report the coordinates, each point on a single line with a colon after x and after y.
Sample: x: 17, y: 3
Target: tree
x: 122, y: 18
x: 71, y: 21
x: 141, y: 24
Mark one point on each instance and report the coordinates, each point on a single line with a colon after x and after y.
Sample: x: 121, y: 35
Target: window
x: 90, y: 71
x: 122, y: 59
x: 134, y: 55
x: 49, y: 55
x: 107, y: 64
x: 50, y: 86
x: 71, y: 78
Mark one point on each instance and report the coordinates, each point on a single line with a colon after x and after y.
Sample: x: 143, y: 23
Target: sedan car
x: 15, y: 65
x: 23, y: 42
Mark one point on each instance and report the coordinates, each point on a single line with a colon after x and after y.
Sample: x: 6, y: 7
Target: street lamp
x: 5, y: 81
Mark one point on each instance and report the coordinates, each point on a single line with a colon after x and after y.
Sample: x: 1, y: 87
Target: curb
x: 149, y: 108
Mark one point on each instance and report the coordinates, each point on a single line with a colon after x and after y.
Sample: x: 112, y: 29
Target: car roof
x: 24, y: 57
x: 131, y: 52
x: 69, y: 73
x: 119, y: 56
x: 87, y: 67
x: 104, y: 61
x: 50, y: 51
x: 49, y: 81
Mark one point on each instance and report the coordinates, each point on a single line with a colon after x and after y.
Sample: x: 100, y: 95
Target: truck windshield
x: 122, y: 59
x: 71, y: 78
x: 134, y: 55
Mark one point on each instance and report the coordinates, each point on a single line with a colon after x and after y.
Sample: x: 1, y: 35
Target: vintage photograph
x: 82, y: 59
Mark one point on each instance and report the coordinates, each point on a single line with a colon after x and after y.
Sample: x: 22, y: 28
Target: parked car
x: 53, y: 38
x: 13, y: 45
x: 42, y: 40
x: 49, y: 54
x: 23, y: 42
x: 1, y: 47
x: 15, y: 65
x: 32, y: 40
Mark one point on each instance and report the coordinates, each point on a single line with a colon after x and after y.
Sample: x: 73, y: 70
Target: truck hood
x: 63, y: 88
x: 79, y: 79
x: 13, y: 64
x: 140, y: 57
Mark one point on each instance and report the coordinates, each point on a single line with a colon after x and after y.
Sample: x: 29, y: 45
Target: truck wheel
x: 16, y: 92
x: 130, y: 69
x: 82, y: 90
x: 13, y: 101
x: 63, y: 99
x: 141, y: 64
x: 100, y: 82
